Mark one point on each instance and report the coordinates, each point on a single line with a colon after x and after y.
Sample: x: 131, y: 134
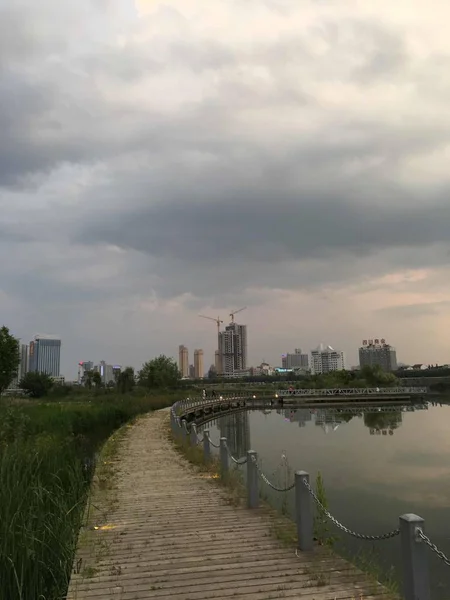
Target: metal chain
x: 199, y: 441
x: 433, y: 547
x: 213, y: 444
x: 361, y: 536
x: 269, y: 483
x: 237, y: 461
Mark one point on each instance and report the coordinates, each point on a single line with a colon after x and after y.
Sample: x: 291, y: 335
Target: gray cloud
x: 269, y: 230
x: 413, y: 311
x: 217, y: 166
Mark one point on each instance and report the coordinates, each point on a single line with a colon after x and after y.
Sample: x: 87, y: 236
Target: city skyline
x: 197, y: 359
x: 302, y: 174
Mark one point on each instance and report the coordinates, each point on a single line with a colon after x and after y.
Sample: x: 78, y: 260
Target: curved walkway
x: 164, y: 530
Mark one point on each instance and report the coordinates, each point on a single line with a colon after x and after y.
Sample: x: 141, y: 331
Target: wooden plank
x: 162, y: 530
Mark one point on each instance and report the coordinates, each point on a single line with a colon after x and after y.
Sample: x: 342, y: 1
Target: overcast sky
x: 161, y: 160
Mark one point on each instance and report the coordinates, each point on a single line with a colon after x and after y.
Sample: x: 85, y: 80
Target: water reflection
x: 379, y: 420
x: 378, y: 462
x: 383, y: 423
x: 236, y: 428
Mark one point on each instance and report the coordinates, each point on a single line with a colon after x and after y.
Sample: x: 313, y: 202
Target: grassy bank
x: 46, y: 452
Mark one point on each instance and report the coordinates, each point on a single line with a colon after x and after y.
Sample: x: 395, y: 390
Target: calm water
x: 376, y: 467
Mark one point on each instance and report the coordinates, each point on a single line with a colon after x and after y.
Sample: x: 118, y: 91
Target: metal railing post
x: 206, y: 447
x: 303, y: 512
x: 184, y: 431
x: 224, y: 466
x: 416, y: 584
x: 252, y: 479
x: 193, y: 435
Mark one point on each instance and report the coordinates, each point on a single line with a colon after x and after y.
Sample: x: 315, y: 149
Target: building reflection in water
x: 300, y: 416
x: 236, y: 428
x: 379, y: 420
x: 326, y: 419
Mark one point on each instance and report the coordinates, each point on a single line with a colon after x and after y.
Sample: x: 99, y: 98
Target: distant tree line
x: 159, y: 374
x: 366, y: 377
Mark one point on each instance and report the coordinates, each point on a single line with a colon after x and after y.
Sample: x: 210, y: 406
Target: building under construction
x: 233, y: 348
x: 231, y: 353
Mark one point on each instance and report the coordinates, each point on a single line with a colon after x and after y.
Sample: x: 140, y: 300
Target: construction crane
x: 218, y: 321
x: 235, y: 313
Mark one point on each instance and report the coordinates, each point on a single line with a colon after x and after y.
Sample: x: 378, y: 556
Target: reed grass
x: 46, y: 462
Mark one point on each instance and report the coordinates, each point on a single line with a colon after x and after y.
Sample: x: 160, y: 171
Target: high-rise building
x: 45, y: 355
x: 83, y: 367
x: 233, y: 348
x: 183, y: 361
x: 22, y: 369
x: 24, y: 363
x: 192, y: 371
x: 117, y: 370
x: 106, y: 373
x: 325, y: 359
x: 295, y: 361
x: 218, y: 361
x: 225, y: 354
x: 199, y: 367
x: 378, y: 353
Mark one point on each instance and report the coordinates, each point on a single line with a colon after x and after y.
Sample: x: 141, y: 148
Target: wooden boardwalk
x: 164, y: 530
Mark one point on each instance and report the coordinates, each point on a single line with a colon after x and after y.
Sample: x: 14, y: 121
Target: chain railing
x: 237, y: 461
x: 414, y: 542
x: 433, y: 547
x: 213, y: 444
x: 268, y: 482
x: 199, y: 440
x: 339, y: 525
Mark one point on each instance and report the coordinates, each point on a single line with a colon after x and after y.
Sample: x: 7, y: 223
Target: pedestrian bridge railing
x: 415, y: 544
x: 377, y: 391
x: 200, y: 402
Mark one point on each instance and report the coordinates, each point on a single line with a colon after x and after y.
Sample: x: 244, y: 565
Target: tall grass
x: 42, y: 493
x: 45, y: 450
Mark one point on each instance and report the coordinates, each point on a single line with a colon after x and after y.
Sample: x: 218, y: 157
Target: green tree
x: 125, y: 380
x: 36, y: 384
x: 212, y: 373
x: 9, y: 358
x: 161, y: 372
x: 88, y: 379
x: 97, y: 379
x: 375, y: 376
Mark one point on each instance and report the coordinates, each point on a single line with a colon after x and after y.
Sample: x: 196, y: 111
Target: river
x: 375, y: 466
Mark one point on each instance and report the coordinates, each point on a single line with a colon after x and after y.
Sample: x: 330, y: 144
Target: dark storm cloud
x: 54, y: 111
x: 243, y: 241
x: 270, y: 229
x: 222, y: 180
x: 21, y: 104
